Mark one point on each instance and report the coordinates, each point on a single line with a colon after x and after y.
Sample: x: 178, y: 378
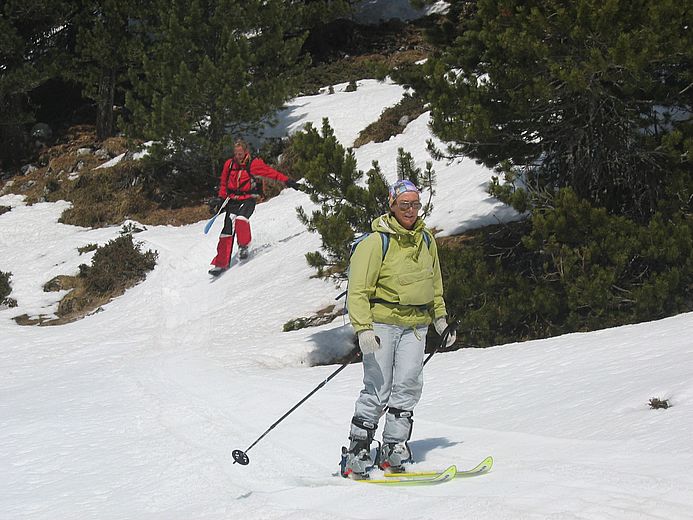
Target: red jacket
x: 237, y: 184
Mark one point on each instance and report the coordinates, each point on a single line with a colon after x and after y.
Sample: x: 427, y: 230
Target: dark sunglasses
x: 405, y: 205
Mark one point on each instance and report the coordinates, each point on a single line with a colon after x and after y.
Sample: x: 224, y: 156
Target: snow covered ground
x: 133, y: 412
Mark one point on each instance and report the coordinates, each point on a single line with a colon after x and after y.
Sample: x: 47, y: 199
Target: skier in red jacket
x: 238, y: 183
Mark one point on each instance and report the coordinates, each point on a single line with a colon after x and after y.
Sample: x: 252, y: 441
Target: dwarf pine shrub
x: 569, y: 267
x: 346, y: 205
x: 5, y: 287
x: 117, y: 265
x: 656, y: 403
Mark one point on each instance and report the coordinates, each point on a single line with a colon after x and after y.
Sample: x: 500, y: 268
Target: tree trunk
x: 104, y: 105
x: 14, y: 139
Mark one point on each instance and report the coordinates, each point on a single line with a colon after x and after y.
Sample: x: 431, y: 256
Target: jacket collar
x: 388, y: 224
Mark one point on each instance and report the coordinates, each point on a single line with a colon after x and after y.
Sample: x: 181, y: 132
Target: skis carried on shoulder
x: 483, y: 467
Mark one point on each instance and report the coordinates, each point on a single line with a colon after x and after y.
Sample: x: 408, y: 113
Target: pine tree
x: 332, y: 181
x: 210, y: 68
x: 571, y: 93
x: 103, y: 39
x: 32, y: 50
x: 347, y: 205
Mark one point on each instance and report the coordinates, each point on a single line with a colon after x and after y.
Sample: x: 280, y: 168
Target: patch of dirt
x: 63, y: 170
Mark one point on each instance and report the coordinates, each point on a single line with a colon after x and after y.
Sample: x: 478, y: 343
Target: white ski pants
x: 392, y: 379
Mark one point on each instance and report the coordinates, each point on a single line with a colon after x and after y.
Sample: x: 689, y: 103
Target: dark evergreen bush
x: 117, y: 265
x: 5, y: 287
x: 174, y: 178
x: 571, y: 267
x: 590, y: 95
x: 656, y: 403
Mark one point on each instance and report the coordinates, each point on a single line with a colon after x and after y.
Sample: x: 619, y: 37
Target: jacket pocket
x: 416, y: 288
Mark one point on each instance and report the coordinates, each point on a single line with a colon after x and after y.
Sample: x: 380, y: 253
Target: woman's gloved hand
x: 440, y: 325
x: 368, y: 341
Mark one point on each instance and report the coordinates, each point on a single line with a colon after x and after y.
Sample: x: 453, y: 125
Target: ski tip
x: 483, y: 467
x: 450, y: 472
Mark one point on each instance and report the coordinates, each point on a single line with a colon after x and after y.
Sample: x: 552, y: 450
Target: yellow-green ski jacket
x: 405, y: 288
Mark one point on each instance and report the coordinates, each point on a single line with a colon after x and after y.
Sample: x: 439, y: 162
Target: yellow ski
x: 403, y: 479
x: 483, y: 467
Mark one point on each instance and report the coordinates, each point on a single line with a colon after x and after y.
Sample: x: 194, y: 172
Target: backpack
x: 385, y: 239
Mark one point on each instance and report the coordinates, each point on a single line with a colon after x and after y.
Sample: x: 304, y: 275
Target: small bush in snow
x: 117, y: 265
x: 656, y: 403
x: 5, y: 288
x: 322, y: 318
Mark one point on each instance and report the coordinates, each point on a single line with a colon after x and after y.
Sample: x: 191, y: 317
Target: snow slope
x: 133, y: 412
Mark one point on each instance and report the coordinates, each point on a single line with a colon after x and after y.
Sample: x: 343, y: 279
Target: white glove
x: 440, y: 324
x: 368, y: 341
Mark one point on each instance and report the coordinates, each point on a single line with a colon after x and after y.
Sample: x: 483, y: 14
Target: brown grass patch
x: 31, y: 185
x: 176, y: 217
x: 115, y: 145
x: 75, y: 305
x: 60, y: 283
x: 387, y: 124
x: 456, y: 241
x: 99, y: 197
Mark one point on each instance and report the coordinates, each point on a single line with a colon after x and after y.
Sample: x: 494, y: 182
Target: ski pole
x: 209, y: 223
x: 452, y: 326
x: 241, y: 456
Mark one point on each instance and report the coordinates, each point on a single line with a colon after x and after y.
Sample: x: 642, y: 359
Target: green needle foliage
x: 33, y: 41
x: 588, y: 94
x: 572, y: 267
x: 332, y: 181
x: 347, y: 206
x: 211, y: 68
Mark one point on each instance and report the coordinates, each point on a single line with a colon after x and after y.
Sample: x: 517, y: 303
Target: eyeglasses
x: 405, y: 205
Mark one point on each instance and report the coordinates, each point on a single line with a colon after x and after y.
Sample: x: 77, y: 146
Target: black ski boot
x: 356, y: 461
